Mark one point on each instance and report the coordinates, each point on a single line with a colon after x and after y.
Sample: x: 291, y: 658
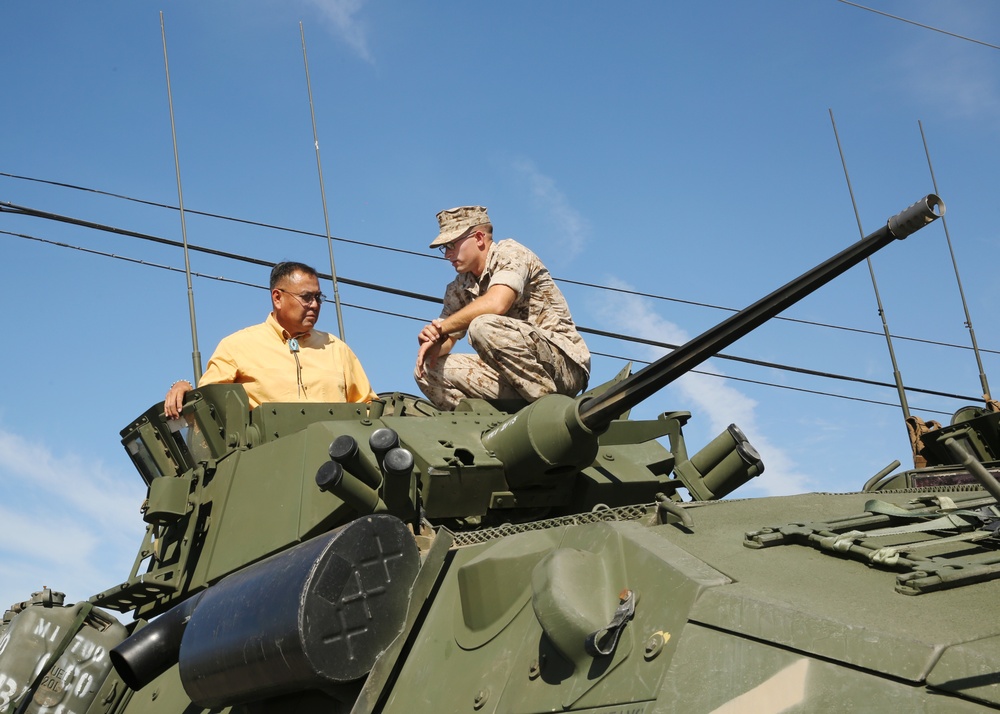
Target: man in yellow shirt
x: 284, y: 359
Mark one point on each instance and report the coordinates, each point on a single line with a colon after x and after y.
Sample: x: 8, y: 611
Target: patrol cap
x: 456, y: 221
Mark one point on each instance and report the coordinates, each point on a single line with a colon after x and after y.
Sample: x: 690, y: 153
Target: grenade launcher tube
x: 596, y: 413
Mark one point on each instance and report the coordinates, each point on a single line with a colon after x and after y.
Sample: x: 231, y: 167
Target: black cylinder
x: 313, y: 617
x: 398, y: 463
x: 399, y: 490
x: 332, y: 477
x: 344, y: 450
x: 328, y: 475
x: 382, y: 441
x: 155, y: 648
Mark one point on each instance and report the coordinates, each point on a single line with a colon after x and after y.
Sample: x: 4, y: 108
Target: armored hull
x: 556, y: 556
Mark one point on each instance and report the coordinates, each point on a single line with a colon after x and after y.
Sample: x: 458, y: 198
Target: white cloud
x: 87, y: 488
x: 962, y: 85
x: 64, y: 523
x: 714, y: 398
x: 569, y: 227
x: 961, y: 80
x: 342, y: 16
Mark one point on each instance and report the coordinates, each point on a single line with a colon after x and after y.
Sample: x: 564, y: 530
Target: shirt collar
x: 283, y: 334
x: 474, y: 284
x: 488, y: 266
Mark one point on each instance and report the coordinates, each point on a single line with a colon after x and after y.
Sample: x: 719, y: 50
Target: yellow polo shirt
x: 260, y: 358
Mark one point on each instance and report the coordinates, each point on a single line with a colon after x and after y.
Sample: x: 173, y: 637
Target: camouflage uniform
x: 531, y: 351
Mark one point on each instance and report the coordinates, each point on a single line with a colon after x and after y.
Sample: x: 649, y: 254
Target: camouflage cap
x: 456, y: 221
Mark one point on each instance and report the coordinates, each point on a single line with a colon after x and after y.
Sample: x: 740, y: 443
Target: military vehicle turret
x: 523, y: 558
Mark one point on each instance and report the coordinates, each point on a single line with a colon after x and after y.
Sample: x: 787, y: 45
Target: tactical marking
x: 83, y: 684
x: 87, y: 650
x: 383, y: 557
x: 42, y: 630
x: 53, y: 685
x: 8, y: 688
x: 376, y: 568
x: 783, y: 690
x: 348, y: 605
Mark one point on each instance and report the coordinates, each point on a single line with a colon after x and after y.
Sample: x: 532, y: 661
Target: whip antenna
x: 965, y: 305
x: 897, y: 377
x: 322, y: 191
x: 195, y: 353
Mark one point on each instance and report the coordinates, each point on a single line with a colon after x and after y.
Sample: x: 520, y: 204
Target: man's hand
x: 434, y: 342
x: 431, y: 332
x: 428, y: 353
x: 174, y: 401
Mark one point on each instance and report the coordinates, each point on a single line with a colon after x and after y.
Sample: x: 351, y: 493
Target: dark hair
x: 284, y: 270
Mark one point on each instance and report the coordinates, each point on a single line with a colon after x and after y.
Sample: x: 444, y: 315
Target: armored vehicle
x: 553, y: 556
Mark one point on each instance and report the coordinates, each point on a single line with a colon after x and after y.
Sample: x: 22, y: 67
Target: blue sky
x: 682, y: 150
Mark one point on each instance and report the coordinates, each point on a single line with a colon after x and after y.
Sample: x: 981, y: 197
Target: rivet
x: 481, y: 698
x: 654, y: 645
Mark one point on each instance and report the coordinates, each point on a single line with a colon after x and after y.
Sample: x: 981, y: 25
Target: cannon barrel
x: 597, y: 412
x: 558, y: 435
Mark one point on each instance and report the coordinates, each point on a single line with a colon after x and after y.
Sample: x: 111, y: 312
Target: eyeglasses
x: 306, y: 299
x: 454, y: 244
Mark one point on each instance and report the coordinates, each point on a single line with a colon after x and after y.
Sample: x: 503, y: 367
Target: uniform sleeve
x: 511, y: 269
x: 454, y: 301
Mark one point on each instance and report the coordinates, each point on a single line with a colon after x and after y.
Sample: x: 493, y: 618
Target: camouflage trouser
x: 514, y: 361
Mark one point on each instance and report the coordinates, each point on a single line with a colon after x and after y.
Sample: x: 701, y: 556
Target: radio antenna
x: 322, y: 191
x: 897, y: 377
x: 968, y: 319
x: 195, y: 353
